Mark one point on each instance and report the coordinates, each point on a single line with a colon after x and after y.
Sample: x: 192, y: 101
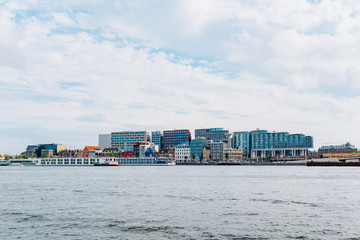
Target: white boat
x: 145, y: 161
x: 25, y: 162
x: 133, y: 161
x: 4, y: 163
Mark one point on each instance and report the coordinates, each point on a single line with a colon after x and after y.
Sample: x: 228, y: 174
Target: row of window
x: 68, y: 161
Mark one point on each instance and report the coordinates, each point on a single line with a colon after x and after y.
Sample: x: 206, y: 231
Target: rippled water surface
x: 180, y: 202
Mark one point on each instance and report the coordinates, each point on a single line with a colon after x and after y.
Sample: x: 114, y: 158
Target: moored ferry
x: 4, y: 163
x: 145, y: 161
x: 113, y: 162
x: 72, y: 161
x: 25, y: 162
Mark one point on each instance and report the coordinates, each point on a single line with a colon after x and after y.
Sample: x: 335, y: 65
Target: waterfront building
x: 111, y: 152
x: 31, y: 150
x: 127, y: 154
x: 43, y: 150
x: 206, y: 154
x: 182, y: 153
x: 343, y: 148
x: 196, y: 148
x: 91, y: 151
x: 216, y: 134
x: 125, y: 140
x: 105, y: 141
x: 233, y: 154
x: 265, y: 144
x: 47, y: 152
x: 77, y: 153
x: 141, y: 147
x: 217, y: 150
x: 157, y: 137
x: 242, y: 140
x: 172, y: 138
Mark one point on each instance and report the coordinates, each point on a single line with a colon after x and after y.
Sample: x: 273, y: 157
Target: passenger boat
x: 145, y: 161
x: 72, y: 161
x: 107, y: 163
x: 4, y: 163
x: 25, y: 162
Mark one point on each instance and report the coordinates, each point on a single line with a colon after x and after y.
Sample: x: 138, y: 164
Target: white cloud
x: 95, y: 68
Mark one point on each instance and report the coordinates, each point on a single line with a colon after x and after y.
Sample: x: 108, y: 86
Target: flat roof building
x: 105, y: 141
x: 125, y: 140
x: 216, y: 134
x: 173, y: 138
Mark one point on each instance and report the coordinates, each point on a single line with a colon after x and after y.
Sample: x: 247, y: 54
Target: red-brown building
x: 90, y: 151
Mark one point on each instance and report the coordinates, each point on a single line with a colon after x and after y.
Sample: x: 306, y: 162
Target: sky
x: 71, y: 70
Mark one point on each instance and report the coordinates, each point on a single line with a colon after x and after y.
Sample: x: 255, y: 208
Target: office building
x: 157, y: 137
x: 196, y: 148
x: 172, y: 138
x: 42, y: 150
x: 125, y: 140
x: 242, y: 140
x: 265, y: 144
x: 217, y: 150
x: 182, y: 153
x: 216, y: 134
x: 105, y: 141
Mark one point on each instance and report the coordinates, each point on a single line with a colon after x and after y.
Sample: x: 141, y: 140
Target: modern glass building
x: 175, y: 137
x: 157, y: 138
x: 217, y: 134
x: 196, y: 148
x: 37, y: 149
x: 242, y: 140
x: 270, y: 144
x: 125, y: 140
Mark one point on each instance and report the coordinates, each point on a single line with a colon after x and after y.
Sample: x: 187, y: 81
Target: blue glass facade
x: 175, y: 137
x: 242, y: 139
x: 196, y: 148
x: 157, y: 138
x: 261, y: 139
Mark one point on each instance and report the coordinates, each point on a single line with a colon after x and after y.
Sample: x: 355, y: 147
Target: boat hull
x: 333, y: 164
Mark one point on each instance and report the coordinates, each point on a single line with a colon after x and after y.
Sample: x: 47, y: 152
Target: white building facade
x: 182, y: 153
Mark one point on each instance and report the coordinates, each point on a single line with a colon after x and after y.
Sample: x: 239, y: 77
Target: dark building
x: 216, y: 134
x: 217, y: 151
x: 42, y: 150
x: 173, y: 138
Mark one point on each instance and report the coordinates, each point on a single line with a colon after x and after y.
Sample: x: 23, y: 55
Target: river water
x: 180, y: 202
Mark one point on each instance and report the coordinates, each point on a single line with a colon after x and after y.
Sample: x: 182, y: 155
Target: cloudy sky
x: 70, y: 70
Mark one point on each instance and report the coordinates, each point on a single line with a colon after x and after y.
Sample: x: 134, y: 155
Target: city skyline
x: 73, y: 70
